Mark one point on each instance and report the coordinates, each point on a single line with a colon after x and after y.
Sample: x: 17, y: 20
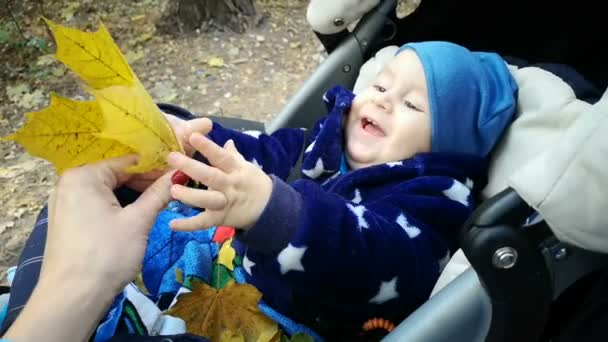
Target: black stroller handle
x: 512, y: 269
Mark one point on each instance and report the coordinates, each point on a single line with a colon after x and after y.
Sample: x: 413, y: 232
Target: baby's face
x: 390, y: 120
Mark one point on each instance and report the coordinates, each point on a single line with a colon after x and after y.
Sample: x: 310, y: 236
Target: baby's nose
x: 384, y: 102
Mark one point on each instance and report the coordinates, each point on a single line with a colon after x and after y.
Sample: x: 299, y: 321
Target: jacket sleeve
x: 274, y: 153
x: 307, y: 236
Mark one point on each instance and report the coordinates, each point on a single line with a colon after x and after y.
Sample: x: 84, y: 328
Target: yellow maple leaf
x: 209, y: 312
x: 133, y: 119
x: 93, y: 56
x: 226, y: 255
x: 67, y: 134
x: 130, y: 120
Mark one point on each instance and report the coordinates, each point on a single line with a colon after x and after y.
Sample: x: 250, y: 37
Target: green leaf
x: 221, y: 276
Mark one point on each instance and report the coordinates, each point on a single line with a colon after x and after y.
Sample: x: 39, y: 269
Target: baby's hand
x: 182, y: 130
x: 237, y: 193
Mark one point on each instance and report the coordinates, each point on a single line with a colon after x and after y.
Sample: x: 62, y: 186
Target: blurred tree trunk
x: 234, y: 15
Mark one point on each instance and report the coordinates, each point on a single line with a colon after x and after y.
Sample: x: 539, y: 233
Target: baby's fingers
x: 223, y: 159
x: 210, y: 176
x: 208, y: 199
x: 203, y: 220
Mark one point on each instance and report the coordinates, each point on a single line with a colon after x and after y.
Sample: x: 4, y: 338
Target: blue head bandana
x: 472, y: 96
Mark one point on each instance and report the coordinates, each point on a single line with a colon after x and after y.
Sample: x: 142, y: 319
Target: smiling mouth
x: 371, y: 127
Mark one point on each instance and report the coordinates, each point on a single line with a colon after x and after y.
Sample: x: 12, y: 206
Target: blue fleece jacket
x: 343, y: 247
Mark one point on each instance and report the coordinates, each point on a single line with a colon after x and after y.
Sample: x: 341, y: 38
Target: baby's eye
x: 379, y: 88
x: 410, y: 105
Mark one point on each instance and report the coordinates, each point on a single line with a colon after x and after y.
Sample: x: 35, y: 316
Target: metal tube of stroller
x: 460, y: 312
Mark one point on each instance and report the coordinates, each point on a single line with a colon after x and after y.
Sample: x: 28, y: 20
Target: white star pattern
x: 255, y: 162
x: 411, y: 231
x: 357, y: 198
x: 444, y: 261
x: 255, y: 134
x: 331, y: 178
x: 468, y: 183
x: 316, y: 171
x: 248, y: 264
x: 358, y: 211
x: 310, y: 147
x: 398, y: 163
x: 388, y: 291
x: 290, y: 259
x: 458, y: 192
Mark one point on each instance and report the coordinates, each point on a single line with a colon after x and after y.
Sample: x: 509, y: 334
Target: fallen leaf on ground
x: 209, y: 312
x: 67, y: 12
x: 45, y: 60
x: 215, y: 62
x: 15, y: 93
x: 31, y: 100
x: 134, y: 56
x: 4, y: 225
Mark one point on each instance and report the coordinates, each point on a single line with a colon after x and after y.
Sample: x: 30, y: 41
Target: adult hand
x: 182, y: 129
x: 94, y: 248
x: 90, y: 235
x: 237, y: 193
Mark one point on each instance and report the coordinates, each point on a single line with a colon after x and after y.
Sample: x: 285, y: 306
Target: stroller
x: 523, y: 283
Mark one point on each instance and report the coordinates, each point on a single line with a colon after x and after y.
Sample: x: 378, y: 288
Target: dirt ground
x: 248, y: 75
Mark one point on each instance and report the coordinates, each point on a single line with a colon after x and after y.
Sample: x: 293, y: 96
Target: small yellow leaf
x: 209, y: 312
x: 67, y: 13
x: 139, y: 282
x: 134, y: 56
x: 226, y: 255
x: 270, y: 335
x: 215, y: 62
x: 94, y: 57
x: 66, y: 133
x: 58, y: 71
x: 179, y: 276
x: 45, y: 60
x: 138, y: 17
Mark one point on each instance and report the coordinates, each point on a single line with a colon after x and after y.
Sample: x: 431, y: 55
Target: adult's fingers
x: 111, y: 171
x: 153, y: 200
x: 203, y: 220
x: 208, y: 199
x: 210, y: 176
x: 217, y: 156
